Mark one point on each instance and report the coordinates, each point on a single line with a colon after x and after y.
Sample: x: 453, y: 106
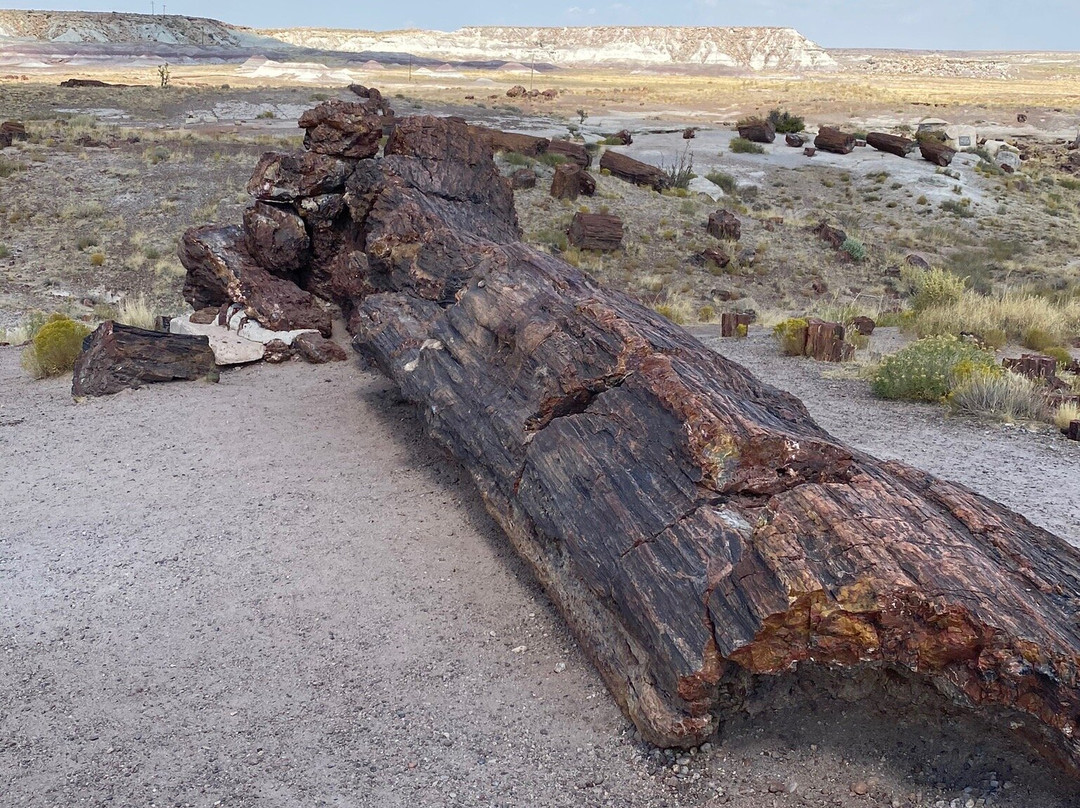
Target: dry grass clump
x: 137, y: 312
x: 791, y: 334
x: 54, y: 348
x: 1066, y: 414
x: 678, y: 308
x: 1012, y: 316
x: 1007, y: 396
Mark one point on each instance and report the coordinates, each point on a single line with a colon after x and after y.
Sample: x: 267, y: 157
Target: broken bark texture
x: 758, y: 130
x: 695, y: 526
x: 118, y: 357
x: 574, y: 152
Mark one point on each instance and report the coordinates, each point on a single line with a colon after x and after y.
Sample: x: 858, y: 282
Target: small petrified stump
x: 276, y: 238
x: 342, y: 129
x: 595, y: 231
x: 936, y: 152
x: 689, y: 133
x: 117, y: 357
x: 571, y: 181
x: 864, y: 325
x: 635, y: 171
x: 833, y: 236
x: 14, y: 130
x: 523, y: 179
x: 831, y: 139
x: 716, y: 256
x: 724, y: 224
x: 735, y: 323
x: 575, y: 152
x: 794, y: 140
x: 893, y: 144
x: 623, y: 137
x: 1035, y: 366
x: 825, y: 342
x: 758, y: 130
x: 1073, y: 432
x: 517, y: 91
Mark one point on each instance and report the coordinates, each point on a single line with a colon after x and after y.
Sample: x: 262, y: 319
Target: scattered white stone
x: 228, y: 348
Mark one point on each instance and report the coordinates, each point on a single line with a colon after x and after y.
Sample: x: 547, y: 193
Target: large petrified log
x: 893, y: 144
x: 758, y: 130
x: 635, y: 171
x: 527, y: 145
x: 699, y: 531
x: 833, y: 140
x: 595, y: 231
x: 936, y: 152
x: 117, y: 357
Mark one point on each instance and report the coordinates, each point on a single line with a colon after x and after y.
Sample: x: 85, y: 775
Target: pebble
x: 860, y: 788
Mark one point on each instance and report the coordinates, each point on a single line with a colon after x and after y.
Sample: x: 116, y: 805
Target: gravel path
x: 272, y: 591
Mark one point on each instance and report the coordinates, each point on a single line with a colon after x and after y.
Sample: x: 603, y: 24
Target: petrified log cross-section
x: 696, y: 527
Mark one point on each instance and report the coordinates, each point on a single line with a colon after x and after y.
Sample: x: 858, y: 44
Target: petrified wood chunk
x: 864, y: 325
x: 1034, y: 366
x: 893, y: 144
x: 622, y: 137
x: 809, y: 151
x: 635, y: 171
x: 1073, y: 431
x: 527, y: 145
x: 794, y: 140
x: 717, y: 256
x: 276, y: 238
x: 825, y: 342
x: 724, y: 224
x: 523, y: 179
x: 699, y: 531
x: 14, y: 130
x: 595, y: 231
x: 735, y: 323
x: 342, y: 129
x: 689, y: 133
x: 570, y: 181
x: 282, y: 177
x: 220, y: 270
x: 117, y: 357
x: 936, y: 152
x: 833, y: 236
x: 574, y: 152
x: 758, y: 130
x: 833, y: 140
x: 317, y: 349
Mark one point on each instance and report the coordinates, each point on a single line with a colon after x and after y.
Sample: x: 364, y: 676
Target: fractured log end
x: 595, y: 231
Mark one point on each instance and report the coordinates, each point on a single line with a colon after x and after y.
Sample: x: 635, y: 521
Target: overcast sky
x: 941, y: 24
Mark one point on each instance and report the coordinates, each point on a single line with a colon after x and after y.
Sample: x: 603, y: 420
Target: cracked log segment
x: 698, y: 530
x: 893, y: 144
x: 634, y: 171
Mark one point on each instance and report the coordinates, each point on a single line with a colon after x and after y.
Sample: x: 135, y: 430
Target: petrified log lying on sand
x: 635, y: 171
x: 696, y: 527
x: 936, y: 152
x: 893, y: 144
x: 699, y: 531
x: 117, y: 357
x: 758, y: 130
x: 833, y: 140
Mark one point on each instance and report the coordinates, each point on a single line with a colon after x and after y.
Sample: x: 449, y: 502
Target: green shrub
x: 266, y: 114
x: 1062, y: 355
x: 928, y: 369
x: 551, y: 159
x: 784, y: 122
x: 791, y: 334
x: 855, y: 248
x: 515, y: 159
x: 5, y: 251
x: 999, y: 395
x: 932, y: 287
x: 741, y: 145
x: 723, y: 180
x: 1039, y: 339
x: 54, y: 348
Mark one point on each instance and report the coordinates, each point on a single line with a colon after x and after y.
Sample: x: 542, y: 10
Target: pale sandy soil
x: 274, y: 592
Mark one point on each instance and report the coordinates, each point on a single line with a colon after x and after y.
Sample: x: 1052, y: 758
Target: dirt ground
x: 273, y: 591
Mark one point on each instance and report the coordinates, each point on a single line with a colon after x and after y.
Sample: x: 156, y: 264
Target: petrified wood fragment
x: 342, y: 129
x: 570, y: 181
x: 277, y: 238
x: 936, y: 152
x: 282, y: 177
x: 595, y: 231
x: 724, y: 224
x: 758, y: 130
x: 635, y: 171
x: 117, y: 357
x: 825, y: 341
x: 833, y: 140
x: 735, y: 323
x: 523, y: 179
x: 1035, y: 366
x: 893, y: 144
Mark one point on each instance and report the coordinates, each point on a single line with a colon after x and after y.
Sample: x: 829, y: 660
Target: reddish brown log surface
x: 758, y: 130
x: 570, y: 181
x: 595, y: 231
x: 724, y: 224
x: 893, y: 144
x: 735, y: 323
x: 527, y: 145
x: 118, y: 357
x: 635, y: 171
x: 1034, y: 366
x: 794, y: 140
x: 574, y: 152
x: 825, y: 342
x: 699, y: 531
x: 936, y: 152
x: 833, y: 140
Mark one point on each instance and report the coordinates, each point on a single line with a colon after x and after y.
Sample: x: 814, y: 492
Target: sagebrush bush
x: 724, y: 180
x: 791, y: 334
x: 932, y: 287
x: 928, y: 369
x: 784, y: 122
x: 741, y: 145
x: 999, y: 395
x: 855, y: 248
x: 54, y: 348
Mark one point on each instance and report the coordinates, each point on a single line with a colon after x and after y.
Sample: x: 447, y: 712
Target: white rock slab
x: 228, y: 347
